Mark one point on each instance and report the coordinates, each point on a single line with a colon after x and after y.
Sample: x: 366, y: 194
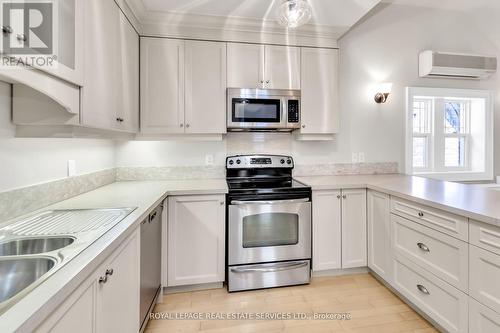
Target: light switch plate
x: 361, y: 157
x: 71, y: 168
x: 354, y: 158
x: 209, y: 159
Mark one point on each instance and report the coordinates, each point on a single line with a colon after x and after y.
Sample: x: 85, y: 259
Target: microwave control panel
x: 293, y: 111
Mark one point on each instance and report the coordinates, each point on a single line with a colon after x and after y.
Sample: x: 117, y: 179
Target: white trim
x: 458, y: 175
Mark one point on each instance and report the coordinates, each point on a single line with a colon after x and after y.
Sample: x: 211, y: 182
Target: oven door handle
x: 276, y: 268
x: 269, y: 202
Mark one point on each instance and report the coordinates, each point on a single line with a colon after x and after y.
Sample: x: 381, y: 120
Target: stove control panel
x: 259, y: 161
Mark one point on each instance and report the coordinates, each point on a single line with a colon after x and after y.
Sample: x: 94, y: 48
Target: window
x: 449, y: 133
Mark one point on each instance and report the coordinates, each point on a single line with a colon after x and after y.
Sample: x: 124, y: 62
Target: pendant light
x: 294, y: 13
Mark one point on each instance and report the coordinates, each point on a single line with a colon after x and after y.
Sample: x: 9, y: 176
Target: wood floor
x: 373, y: 308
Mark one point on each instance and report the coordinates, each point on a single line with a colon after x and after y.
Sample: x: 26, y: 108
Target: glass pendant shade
x: 294, y: 13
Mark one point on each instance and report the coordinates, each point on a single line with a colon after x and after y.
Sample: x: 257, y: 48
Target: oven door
x: 267, y: 231
x: 256, y: 113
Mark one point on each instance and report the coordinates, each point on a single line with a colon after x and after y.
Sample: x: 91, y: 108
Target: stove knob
x: 282, y: 161
x: 231, y: 162
x: 289, y: 162
x: 238, y: 161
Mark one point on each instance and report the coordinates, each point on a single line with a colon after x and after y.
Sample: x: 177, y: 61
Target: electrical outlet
x: 71, y: 168
x: 209, y: 159
x: 361, y: 157
x: 355, y: 158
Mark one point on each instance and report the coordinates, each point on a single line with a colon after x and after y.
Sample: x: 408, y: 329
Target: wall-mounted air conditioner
x: 454, y: 65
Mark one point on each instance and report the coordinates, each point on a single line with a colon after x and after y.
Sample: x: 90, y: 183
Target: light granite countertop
x: 473, y: 201
x: 30, y: 311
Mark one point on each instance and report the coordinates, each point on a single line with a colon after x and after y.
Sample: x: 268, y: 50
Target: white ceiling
x: 459, y: 5
x: 339, y: 13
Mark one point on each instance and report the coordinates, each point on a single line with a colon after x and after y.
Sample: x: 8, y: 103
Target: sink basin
x: 37, y: 245
x: 17, y: 274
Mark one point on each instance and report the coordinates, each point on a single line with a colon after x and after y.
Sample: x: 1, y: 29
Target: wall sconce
x: 383, y: 91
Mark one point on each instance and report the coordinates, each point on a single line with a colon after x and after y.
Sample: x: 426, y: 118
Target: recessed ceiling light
x: 294, y: 13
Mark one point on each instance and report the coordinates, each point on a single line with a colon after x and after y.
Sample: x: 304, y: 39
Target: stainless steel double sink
x: 34, y: 248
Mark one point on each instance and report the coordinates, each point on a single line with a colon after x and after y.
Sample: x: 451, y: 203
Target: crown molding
x: 233, y: 29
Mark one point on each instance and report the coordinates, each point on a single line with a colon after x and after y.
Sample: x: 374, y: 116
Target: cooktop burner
x: 264, y: 184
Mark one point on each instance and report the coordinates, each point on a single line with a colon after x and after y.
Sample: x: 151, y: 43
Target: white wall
x: 29, y: 161
x: 385, y: 48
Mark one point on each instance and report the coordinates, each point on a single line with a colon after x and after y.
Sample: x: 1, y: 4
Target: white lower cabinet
x: 339, y: 229
x: 196, y: 240
x: 440, y: 301
x: 485, y: 277
x: 379, y: 234
x: 482, y: 319
x: 108, y: 301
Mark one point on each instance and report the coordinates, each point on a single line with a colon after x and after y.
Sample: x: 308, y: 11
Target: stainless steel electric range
x: 268, y: 224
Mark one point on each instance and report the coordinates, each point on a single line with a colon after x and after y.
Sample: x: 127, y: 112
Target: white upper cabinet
x: 110, y: 59
x: 205, y: 87
x: 319, y: 91
x: 162, y: 86
x: 183, y: 85
x: 282, y: 67
x: 245, y: 65
x: 263, y: 66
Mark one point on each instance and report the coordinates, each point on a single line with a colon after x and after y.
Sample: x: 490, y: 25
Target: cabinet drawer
x: 450, y: 224
x: 442, y: 255
x: 440, y: 301
x: 485, y: 277
x: 482, y: 319
x: 485, y: 236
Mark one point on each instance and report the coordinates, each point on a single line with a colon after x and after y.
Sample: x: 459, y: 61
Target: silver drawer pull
x: 423, y: 247
x: 420, y: 214
x: 269, y: 202
x: 103, y: 279
x: 275, y: 268
x: 422, y: 289
x: 110, y: 271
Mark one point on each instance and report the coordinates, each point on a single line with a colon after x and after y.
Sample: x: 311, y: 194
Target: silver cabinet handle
x: 420, y: 214
x: 22, y: 37
x: 303, y: 126
x: 181, y: 125
x: 423, y: 247
x: 103, y: 280
x: 187, y: 125
x: 222, y: 203
x: 339, y: 196
x: 152, y: 216
x: 275, y: 268
x: 270, y: 202
x: 7, y: 29
x: 422, y: 289
x: 261, y: 81
x: 110, y: 271
x: 267, y: 81
x: 344, y: 196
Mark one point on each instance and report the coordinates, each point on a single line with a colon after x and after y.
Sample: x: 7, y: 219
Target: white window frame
x: 452, y: 174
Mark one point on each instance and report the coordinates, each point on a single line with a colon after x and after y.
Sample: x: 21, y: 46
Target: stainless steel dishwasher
x: 150, y: 263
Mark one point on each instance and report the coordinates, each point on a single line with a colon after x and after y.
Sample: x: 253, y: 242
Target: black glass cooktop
x: 264, y: 184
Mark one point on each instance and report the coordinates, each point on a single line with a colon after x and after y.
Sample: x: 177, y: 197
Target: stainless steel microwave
x: 263, y: 109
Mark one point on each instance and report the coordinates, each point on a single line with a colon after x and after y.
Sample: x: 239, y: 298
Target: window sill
x: 459, y: 176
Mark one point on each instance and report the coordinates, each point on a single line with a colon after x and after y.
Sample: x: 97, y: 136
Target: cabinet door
x: 354, y: 228
x: 196, y: 238
x: 162, y: 86
x: 379, y: 234
x: 118, y: 298
x: 319, y: 89
x: 128, y: 109
x: 282, y: 67
x: 245, y: 65
x: 482, y: 319
x: 205, y: 87
x: 76, y: 314
x: 102, y: 76
x: 326, y: 230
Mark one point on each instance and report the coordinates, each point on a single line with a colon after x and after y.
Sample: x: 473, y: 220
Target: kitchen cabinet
x: 484, y: 271
x: 327, y: 234
x: 354, y: 228
x: 108, y: 300
x: 379, y: 234
x: 263, y: 66
x: 68, y: 61
x: 183, y: 86
x: 110, y: 91
x: 196, y: 240
x: 319, y: 91
x: 205, y: 87
x: 339, y: 229
x: 482, y: 319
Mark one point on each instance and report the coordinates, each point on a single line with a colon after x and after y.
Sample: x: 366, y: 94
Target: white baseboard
x: 339, y: 272
x: 193, y: 287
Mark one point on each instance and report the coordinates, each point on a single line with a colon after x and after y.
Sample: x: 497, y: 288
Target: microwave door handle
x: 269, y: 202
x: 276, y: 268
